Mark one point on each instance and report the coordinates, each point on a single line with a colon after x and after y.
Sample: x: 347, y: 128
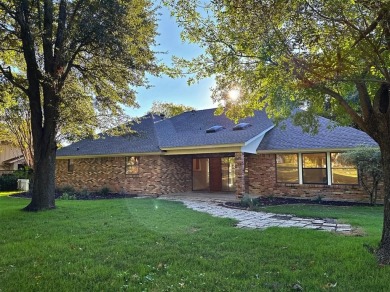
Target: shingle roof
x: 144, y: 140
x: 189, y: 129
x: 155, y: 134
x: 292, y: 137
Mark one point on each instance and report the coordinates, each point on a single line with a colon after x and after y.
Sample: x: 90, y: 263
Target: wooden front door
x: 215, y: 174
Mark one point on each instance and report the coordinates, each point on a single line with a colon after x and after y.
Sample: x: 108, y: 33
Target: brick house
x: 11, y: 158
x: 198, y: 151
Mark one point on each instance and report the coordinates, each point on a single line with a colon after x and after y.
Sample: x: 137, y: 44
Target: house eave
x: 304, y: 150
x: 108, y: 155
x: 252, y: 144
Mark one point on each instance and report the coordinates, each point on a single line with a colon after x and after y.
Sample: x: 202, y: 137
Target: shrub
x: 24, y: 173
x: 67, y: 189
x: 8, y: 182
x: 104, y: 191
x: 67, y: 196
x: 84, y: 193
x: 246, y: 201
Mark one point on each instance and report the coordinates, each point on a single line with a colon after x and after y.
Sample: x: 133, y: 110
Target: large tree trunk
x: 45, y: 145
x: 383, y: 252
x: 43, y: 189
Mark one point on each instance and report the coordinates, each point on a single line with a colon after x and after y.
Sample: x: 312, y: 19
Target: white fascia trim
x: 201, y: 147
x: 304, y: 150
x: 110, y: 155
x: 251, y: 145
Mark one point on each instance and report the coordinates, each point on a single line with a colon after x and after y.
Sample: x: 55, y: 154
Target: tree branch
x: 364, y: 99
x: 59, y: 43
x: 47, y: 36
x: 9, y: 76
x: 355, y: 117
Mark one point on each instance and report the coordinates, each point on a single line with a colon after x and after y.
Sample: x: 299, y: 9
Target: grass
x: 155, y: 245
x: 6, y: 194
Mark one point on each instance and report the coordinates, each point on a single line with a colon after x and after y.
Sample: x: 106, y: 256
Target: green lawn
x: 154, y: 245
x: 5, y: 194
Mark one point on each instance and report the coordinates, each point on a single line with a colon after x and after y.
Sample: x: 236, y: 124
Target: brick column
x: 240, y: 174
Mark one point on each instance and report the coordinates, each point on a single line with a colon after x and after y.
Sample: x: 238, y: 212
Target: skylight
x: 241, y: 126
x: 214, y: 129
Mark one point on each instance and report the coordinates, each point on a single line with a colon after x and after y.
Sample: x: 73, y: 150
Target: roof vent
x: 241, y: 126
x: 214, y: 129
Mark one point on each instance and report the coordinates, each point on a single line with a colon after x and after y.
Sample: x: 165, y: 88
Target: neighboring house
x: 11, y: 158
x: 199, y: 151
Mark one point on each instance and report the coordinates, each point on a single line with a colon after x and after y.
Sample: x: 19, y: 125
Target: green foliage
x: 105, y: 191
x: 24, y: 173
x: 76, y: 66
x: 67, y: 196
x: 8, y: 182
x: 68, y: 189
x: 282, y: 55
x: 246, y: 201
x: 84, y: 193
x: 169, y: 109
x: 369, y: 163
x: 166, y: 247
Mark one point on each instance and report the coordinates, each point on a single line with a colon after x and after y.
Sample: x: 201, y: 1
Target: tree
x: 285, y: 54
x: 99, y: 50
x: 169, y: 109
x: 368, y: 162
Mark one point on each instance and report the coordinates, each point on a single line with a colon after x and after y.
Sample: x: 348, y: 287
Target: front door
x: 214, y: 174
x: 215, y: 168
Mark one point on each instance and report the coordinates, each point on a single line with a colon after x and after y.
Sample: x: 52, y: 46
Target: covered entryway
x: 213, y: 174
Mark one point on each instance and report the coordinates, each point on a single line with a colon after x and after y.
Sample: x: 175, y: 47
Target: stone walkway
x: 262, y: 220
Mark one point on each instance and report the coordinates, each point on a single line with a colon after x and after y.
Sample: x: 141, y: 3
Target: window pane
x: 285, y: 174
x: 228, y: 174
x: 132, y: 165
x: 314, y: 176
x: 345, y: 176
x: 314, y: 160
x: 287, y: 168
x: 200, y: 178
x: 342, y: 172
x: 338, y: 162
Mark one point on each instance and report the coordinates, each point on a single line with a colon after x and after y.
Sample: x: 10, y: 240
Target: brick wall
x: 262, y: 181
x: 157, y: 174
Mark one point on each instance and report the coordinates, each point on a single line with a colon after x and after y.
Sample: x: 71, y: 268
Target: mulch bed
x: 273, y: 201
x: 90, y: 196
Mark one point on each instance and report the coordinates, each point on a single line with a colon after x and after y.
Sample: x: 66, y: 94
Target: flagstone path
x: 263, y: 220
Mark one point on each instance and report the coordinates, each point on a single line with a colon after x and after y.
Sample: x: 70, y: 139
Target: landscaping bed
x: 81, y: 196
x: 247, y: 202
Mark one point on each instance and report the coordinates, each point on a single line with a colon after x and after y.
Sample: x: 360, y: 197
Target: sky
x: 166, y: 89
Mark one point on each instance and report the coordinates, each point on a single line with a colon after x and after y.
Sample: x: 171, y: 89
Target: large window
x: 287, y: 168
x: 314, y: 168
x: 132, y: 165
x: 343, y: 173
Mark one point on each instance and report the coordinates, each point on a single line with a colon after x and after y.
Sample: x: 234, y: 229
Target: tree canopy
x: 72, y: 59
x: 169, y: 109
x: 314, y: 54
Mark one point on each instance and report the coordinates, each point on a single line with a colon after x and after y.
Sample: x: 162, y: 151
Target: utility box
x: 23, y: 185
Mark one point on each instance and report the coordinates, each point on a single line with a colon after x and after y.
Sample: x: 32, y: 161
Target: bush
x: 105, y: 191
x: 67, y: 196
x: 8, y: 183
x: 246, y: 201
x: 67, y: 189
x: 24, y: 173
